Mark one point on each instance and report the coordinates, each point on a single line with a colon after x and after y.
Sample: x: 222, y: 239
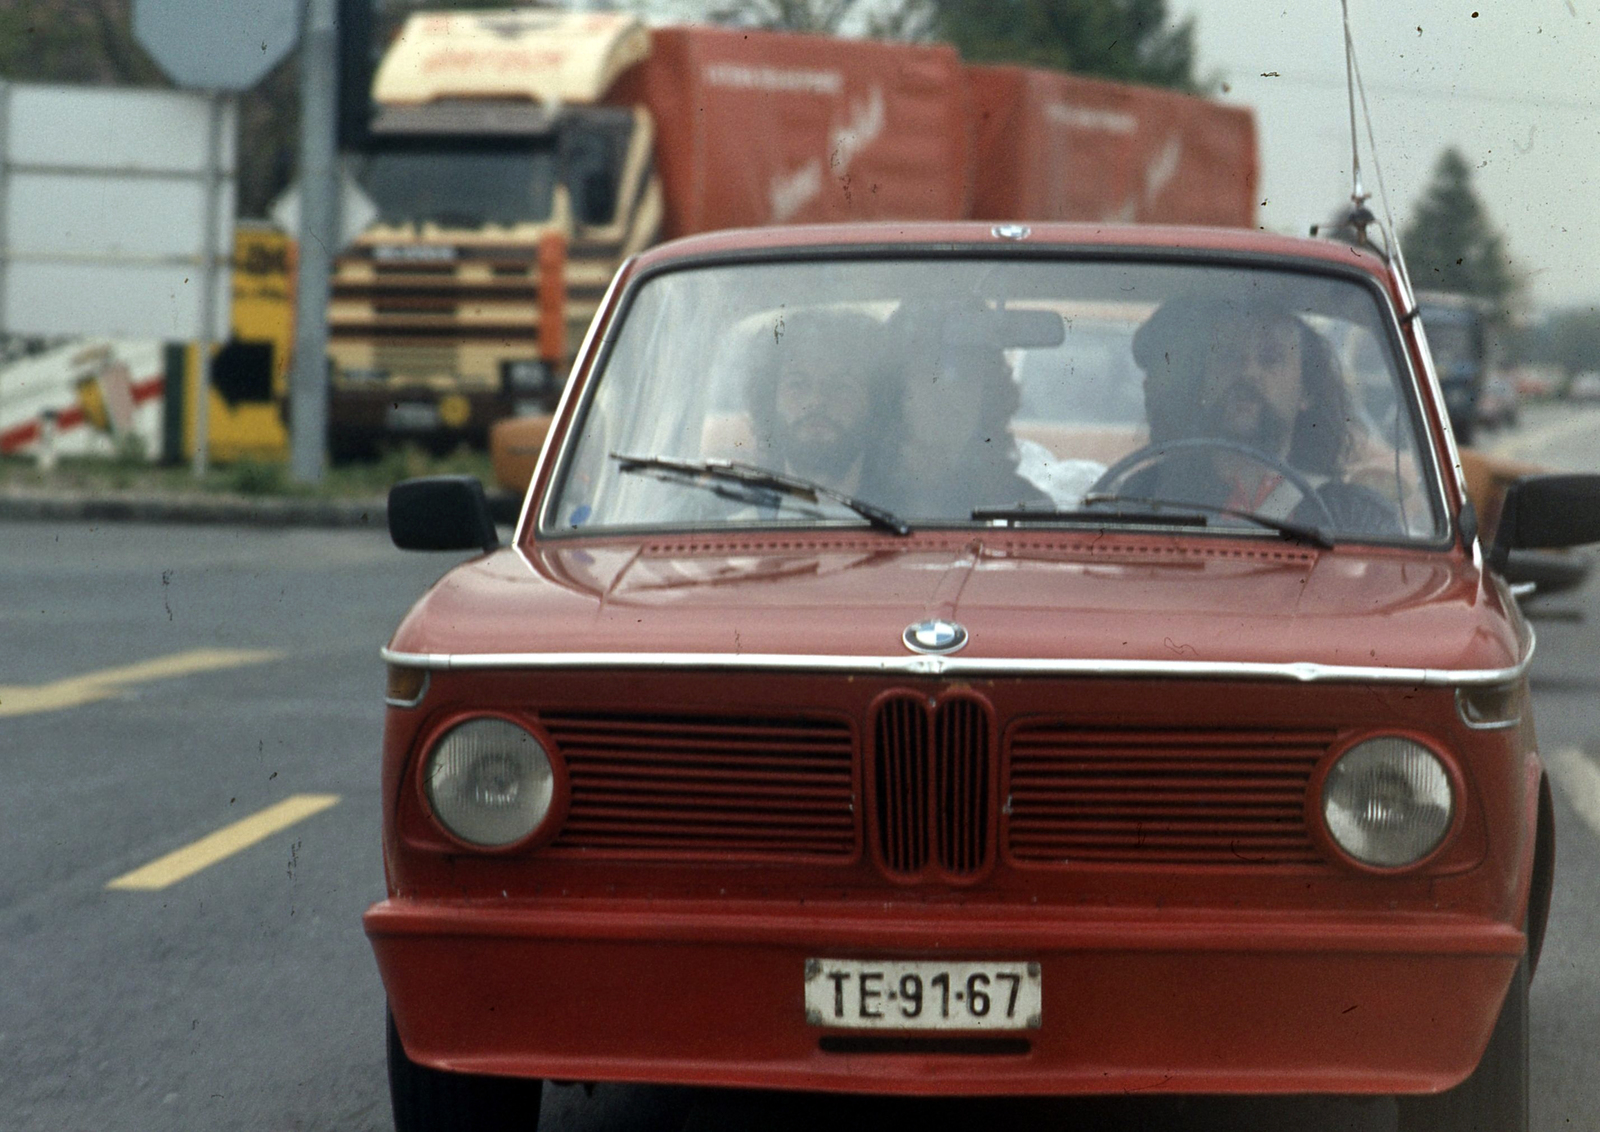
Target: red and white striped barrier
x: 83, y: 398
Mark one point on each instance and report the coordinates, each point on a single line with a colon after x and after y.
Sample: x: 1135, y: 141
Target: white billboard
x: 106, y: 196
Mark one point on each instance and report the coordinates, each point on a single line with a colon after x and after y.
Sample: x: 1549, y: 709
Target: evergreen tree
x: 1125, y: 40
x: 786, y: 15
x: 1450, y: 243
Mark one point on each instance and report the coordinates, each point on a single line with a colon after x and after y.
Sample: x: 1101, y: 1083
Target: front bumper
x: 1173, y: 1002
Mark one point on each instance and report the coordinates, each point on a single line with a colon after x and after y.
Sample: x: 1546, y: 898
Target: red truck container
x: 1051, y: 146
x: 738, y: 129
x: 758, y: 128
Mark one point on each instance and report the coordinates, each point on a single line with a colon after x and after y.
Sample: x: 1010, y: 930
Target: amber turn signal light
x: 406, y: 686
x: 1491, y: 706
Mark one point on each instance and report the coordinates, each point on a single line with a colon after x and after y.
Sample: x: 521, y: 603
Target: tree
x: 826, y: 16
x: 72, y: 41
x: 1125, y: 40
x: 1450, y: 243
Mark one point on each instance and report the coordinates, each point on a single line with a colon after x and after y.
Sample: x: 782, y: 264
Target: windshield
x: 456, y: 185
x: 932, y: 390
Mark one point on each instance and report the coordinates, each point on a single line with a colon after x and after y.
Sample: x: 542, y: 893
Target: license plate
x: 412, y: 416
x: 858, y: 994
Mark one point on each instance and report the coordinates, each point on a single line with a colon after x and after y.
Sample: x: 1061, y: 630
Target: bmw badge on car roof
x: 934, y: 636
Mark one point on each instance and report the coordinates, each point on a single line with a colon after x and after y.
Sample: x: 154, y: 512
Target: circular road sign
x: 215, y: 45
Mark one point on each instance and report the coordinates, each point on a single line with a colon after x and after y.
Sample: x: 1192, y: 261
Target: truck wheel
x: 430, y: 1100
x: 1495, y: 1097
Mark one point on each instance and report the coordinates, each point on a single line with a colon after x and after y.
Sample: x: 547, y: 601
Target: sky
x: 1513, y: 84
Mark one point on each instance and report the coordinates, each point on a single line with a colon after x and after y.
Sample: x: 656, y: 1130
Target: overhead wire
x: 1579, y: 105
x: 1358, y: 195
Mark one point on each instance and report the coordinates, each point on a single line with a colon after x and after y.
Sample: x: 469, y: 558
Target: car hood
x: 1021, y: 597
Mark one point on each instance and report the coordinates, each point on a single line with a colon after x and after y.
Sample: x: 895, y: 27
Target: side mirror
x: 441, y: 513
x: 1542, y: 512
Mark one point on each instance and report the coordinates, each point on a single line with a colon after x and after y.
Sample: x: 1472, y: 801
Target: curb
x: 239, y: 510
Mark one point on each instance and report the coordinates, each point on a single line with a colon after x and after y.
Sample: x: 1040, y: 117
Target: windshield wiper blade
x: 1298, y: 532
x: 750, y: 475
x: 1185, y: 514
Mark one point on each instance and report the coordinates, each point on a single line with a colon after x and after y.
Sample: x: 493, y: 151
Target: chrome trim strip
x: 1302, y: 672
x: 1434, y: 390
x: 578, y: 361
x: 1425, y: 385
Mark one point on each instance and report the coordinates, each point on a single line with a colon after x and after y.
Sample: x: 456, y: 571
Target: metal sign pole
x: 5, y: 188
x: 208, y: 284
x: 318, y: 237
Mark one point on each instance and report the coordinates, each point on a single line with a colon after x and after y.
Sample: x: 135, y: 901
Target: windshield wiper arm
x: 750, y: 475
x: 1185, y: 514
x: 1298, y: 532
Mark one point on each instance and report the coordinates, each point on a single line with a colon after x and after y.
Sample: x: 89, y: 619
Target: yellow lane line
x: 225, y: 842
x: 25, y: 699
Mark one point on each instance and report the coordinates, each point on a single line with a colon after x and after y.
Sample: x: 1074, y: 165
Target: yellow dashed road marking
x: 230, y: 839
x: 25, y: 699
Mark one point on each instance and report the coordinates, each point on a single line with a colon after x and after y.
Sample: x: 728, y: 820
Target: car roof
x: 938, y: 236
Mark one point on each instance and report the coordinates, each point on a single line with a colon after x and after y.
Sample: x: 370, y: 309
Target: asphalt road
x: 234, y: 988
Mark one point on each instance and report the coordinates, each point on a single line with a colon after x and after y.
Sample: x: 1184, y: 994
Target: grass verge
x: 104, y: 475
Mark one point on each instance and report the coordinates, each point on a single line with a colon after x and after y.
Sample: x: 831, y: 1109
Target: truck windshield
x: 457, y: 185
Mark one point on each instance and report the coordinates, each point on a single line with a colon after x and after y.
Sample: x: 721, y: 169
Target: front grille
x: 431, y: 270
x: 707, y: 786
x: 417, y: 359
x: 1077, y: 794
x: 961, y: 785
x: 931, y: 779
x: 901, y: 777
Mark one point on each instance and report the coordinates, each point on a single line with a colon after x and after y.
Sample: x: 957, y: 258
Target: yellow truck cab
x: 506, y: 194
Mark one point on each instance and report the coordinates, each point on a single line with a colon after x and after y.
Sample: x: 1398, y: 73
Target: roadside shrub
x: 257, y: 477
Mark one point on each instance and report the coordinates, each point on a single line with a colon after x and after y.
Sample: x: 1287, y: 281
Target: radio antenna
x: 1361, y: 216
x: 1358, y: 192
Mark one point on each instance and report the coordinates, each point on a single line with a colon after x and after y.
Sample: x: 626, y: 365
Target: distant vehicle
x: 1456, y: 327
x: 1534, y: 383
x: 1498, y: 403
x: 1585, y: 386
x: 811, y: 735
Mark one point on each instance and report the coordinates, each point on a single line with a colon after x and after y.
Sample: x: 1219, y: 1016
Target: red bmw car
x: 975, y: 660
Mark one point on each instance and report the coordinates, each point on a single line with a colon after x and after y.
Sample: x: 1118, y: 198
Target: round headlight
x: 489, y: 782
x: 1388, y: 802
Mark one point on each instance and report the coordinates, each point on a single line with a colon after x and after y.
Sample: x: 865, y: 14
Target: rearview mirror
x: 441, y: 513
x: 1004, y: 330
x: 1542, y: 512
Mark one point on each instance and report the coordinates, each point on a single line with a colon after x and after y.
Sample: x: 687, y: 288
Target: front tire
x: 1495, y: 1097
x: 431, y: 1100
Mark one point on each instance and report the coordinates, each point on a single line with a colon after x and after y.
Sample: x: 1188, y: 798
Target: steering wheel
x: 1153, y: 454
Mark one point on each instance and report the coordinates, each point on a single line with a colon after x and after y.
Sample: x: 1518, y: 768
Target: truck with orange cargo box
x: 518, y: 157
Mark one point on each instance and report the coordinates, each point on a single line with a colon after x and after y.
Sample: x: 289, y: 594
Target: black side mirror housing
x: 1544, y: 512
x: 441, y: 513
